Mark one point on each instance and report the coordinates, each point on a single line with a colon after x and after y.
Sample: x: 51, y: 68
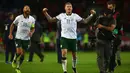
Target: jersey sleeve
x: 59, y: 16
x: 15, y: 22
x: 78, y: 18
x: 113, y: 22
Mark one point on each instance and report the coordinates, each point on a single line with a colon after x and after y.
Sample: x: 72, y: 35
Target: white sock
x: 74, y: 62
x: 64, y: 65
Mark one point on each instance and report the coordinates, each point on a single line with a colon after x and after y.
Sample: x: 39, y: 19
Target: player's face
x: 12, y: 17
x: 110, y: 6
x: 26, y: 10
x: 68, y: 8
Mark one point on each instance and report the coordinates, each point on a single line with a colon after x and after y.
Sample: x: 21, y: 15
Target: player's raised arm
x: 49, y: 18
x: 85, y: 21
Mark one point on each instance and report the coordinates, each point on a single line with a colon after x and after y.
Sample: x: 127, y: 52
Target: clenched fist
x: 30, y: 34
x: 10, y: 36
x: 45, y: 10
x: 92, y: 11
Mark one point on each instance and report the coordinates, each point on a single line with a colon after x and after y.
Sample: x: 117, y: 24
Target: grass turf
x: 86, y: 64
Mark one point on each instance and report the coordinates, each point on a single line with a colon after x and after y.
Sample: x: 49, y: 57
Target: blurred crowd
x: 81, y: 7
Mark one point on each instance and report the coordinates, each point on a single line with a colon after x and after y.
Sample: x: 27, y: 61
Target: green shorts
x: 24, y: 44
x: 69, y: 44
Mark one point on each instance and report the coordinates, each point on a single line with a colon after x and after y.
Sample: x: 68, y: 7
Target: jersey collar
x: 68, y: 14
x: 25, y: 17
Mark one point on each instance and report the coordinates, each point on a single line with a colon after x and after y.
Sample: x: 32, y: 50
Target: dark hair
x: 106, y: 11
x: 26, y: 5
x: 68, y: 3
x: 10, y: 14
x: 111, y: 2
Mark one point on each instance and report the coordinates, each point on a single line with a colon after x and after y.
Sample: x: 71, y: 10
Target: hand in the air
x: 92, y: 11
x: 45, y: 10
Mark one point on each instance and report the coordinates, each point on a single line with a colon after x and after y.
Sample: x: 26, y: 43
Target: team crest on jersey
x: 25, y: 24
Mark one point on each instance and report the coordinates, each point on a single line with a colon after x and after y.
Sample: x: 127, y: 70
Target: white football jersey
x: 23, y: 26
x: 69, y: 25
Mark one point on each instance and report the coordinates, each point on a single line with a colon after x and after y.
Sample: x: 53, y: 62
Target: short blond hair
x: 68, y: 3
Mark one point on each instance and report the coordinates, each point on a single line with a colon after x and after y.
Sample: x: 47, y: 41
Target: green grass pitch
x: 86, y: 64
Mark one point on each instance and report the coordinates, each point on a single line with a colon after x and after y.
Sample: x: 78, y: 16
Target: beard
x: 27, y: 12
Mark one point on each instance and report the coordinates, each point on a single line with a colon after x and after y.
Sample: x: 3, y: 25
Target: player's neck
x: 69, y: 13
x: 25, y: 15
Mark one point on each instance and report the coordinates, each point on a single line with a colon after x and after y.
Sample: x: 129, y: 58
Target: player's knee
x: 22, y: 53
x: 64, y: 52
x: 18, y: 52
x: 74, y: 55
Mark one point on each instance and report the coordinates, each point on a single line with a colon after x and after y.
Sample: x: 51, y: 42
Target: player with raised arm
x: 68, y: 32
x: 25, y: 28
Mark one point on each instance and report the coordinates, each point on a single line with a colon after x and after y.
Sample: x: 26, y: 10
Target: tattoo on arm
x: 85, y: 21
x: 49, y: 18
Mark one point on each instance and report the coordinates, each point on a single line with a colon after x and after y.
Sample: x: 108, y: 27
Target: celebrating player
x: 25, y: 28
x: 68, y: 33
